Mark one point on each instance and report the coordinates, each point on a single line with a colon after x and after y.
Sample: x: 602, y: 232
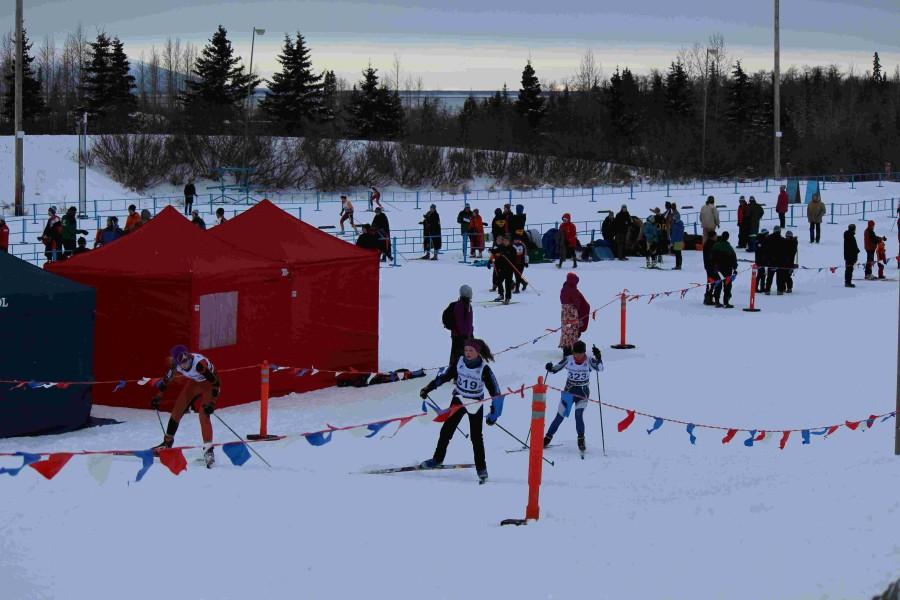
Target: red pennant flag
x: 760, y: 437
x: 831, y: 430
x: 447, y: 413
x: 52, y: 465
x: 173, y: 458
x: 403, y: 422
x: 832, y: 269
x: 626, y: 422
x: 784, y: 439
x: 729, y: 436
x: 852, y: 424
x: 62, y: 386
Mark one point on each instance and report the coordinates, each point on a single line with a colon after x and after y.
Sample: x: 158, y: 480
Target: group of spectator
x: 63, y: 239
x: 652, y: 238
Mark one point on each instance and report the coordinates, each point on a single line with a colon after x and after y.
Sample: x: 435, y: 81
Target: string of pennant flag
x: 49, y: 464
x: 757, y: 434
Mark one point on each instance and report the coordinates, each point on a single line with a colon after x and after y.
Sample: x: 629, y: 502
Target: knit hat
x: 465, y: 292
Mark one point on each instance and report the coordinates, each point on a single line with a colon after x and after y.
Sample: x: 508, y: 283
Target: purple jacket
x: 462, y: 319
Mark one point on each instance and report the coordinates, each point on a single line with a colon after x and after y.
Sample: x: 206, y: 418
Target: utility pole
x: 897, y: 408
x: 20, y: 187
x: 777, y: 86
x: 247, y: 108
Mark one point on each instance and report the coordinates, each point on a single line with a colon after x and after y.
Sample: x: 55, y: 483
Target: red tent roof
x: 169, y: 245
x: 267, y: 230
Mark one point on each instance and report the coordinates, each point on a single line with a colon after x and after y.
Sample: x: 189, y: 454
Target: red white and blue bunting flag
x: 755, y: 436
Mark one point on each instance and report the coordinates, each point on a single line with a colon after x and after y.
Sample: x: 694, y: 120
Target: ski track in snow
x: 657, y: 517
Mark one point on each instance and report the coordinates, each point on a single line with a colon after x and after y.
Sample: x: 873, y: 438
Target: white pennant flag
x: 143, y: 381
x: 98, y: 465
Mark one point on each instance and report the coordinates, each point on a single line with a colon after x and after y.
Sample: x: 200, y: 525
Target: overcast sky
x: 482, y: 44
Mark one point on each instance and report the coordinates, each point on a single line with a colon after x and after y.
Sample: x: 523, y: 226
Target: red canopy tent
x: 169, y: 283
x: 334, y: 312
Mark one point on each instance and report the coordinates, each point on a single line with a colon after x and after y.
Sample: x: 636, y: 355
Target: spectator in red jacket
x: 743, y: 223
x: 4, y: 236
x: 781, y: 207
x: 567, y: 241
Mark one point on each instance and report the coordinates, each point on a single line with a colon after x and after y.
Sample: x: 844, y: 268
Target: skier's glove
x: 596, y: 352
x: 496, y: 410
x: 161, y: 385
x: 154, y: 403
x: 215, y: 392
x: 209, y: 408
x: 548, y: 367
x: 423, y: 393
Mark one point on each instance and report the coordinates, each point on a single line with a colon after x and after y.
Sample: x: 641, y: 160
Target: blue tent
x: 602, y: 250
x: 47, y: 325
x: 812, y: 187
x: 548, y: 242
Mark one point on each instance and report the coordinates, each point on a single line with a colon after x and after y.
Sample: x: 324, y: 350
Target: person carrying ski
x: 202, y: 384
x: 577, y: 390
x: 346, y: 213
x: 502, y: 259
x: 470, y: 375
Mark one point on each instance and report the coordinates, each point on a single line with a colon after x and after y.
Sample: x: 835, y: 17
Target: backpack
x: 447, y: 317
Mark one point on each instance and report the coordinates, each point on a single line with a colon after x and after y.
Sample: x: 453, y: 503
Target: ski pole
x: 159, y: 418
x: 505, y: 430
x: 466, y: 435
x: 600, y: 404
x: 243, y: 440
x: 522, y: 277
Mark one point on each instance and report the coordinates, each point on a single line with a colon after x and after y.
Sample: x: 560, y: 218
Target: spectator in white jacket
x: 709, y: 218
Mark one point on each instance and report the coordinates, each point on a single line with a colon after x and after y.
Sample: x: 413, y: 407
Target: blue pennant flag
x: 236, y: 452
x: 805, y: 435
x: 822, y: 431
x: 424, y: 407
x: 118, y: 387
x: 34, y: 384
x: 535, y: 340
x: 318, y: 439
x: 146, y: 457
x: 749, y: 441
x: 374, y: 428
x: 567, y: 400
x: 690, y: 430
x: 27, y: 459
x: 886, y: 417
x: 657, y: 423
x: 302, y: 372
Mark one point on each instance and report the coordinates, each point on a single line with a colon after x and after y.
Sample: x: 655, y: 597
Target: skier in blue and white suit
x: 470, y: 375
x: 577, y: 388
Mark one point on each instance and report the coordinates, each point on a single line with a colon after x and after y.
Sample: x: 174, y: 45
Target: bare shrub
x: 328, y: 161
x: 418, y: 164
x: 137, y: 161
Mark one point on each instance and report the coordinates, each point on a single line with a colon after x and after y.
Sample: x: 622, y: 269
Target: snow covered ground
x: 656, y: 517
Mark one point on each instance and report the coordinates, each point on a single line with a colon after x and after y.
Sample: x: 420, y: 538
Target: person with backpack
x: 471, y: 375
x: 459, y: 318
x: 577, y: 391
x: 724, y: 263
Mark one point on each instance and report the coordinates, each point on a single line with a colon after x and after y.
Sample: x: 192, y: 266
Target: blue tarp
x: 603, y: 251
x: 812, y: 187
x: 47, y: 325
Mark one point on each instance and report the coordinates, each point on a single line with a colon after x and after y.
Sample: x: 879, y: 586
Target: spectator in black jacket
x: 503, y: 257
x: 761, y: 259
x: 753, y: 215
x: 459, y: 319
x: 464, y: 218
x: 622, y: 224
x: 608, y: 229
x: 189, y: 193
x: 368, y: 240
x: 498, y: 225
x: 775, y: 254
x: 197, y: 220
x: 382, y: 228
x: 790, y: 260
x: 431, y: 232
x: 517, y: 224
x: 851, y: 254
x: 724, y: 263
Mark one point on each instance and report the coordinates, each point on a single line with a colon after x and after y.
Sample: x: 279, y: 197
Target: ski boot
x: 482, y: 476
x: 728, y: 305
x: 547, y: 440
x: 435, y: 256
x: 581, y: 445
x: 165, y: 445
x: 427, y: 256
x: 498, y: 299
x: 524, y: 285
x: 429, y: 464
x: 506, y: 301
x: 209, y: 455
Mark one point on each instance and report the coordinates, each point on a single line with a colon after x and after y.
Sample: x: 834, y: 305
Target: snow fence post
x: 536, y: 454
x: 631, y: 192
x: 299, y: 213
x: 33, y: 214
x: 702, y: 187
x: 417, y: 202
x: 593, y: 231
x: 394, y: 250
x: 792, y: 216
x: 667, y: 190
x: 864, y: 211
x: 695, y: 227
x: 465, y: 246
x: 767, y: 185
x: 622, y: 345
x: 752, y: 307
x: 879, y: 180
x: 735, y: 186
x: 832, y: 214
x: 263, y: 405
x: 853, y: 182
x: 592, y: 196
x: 552, y: 195
x: 317, y: 201
x: 823, y: 182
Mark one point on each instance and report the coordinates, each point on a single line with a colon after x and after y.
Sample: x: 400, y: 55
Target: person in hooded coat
x: 622, y: 224
x: 574, y: 314
x: 567, y: 241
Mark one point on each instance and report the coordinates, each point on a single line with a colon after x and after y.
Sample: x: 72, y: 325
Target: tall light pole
x: 17, y: 121
x: 715, y: 52
x: 777, y: 90
x: 897, y: 408
x: 256, y: 31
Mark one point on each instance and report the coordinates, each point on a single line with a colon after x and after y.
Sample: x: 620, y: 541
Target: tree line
x: 831, y: 120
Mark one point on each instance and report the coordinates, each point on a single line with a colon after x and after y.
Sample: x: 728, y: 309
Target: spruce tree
x: 329, y: 97
x: 122, y: 99
x: 32, y: 100
x: 878, y: 77
x: 375, y: 112
x: 678, y: 93
x: 221, y: 86
x: 295, y: 92
x: 621, y: 101
x: 97, y: 77
x: 530, y: 103
x: 739, y: 111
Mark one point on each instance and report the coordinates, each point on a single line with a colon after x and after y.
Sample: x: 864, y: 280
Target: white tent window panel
x: 218, y: 320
